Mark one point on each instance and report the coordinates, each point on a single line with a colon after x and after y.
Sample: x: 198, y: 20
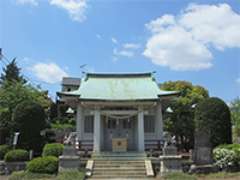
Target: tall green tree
x: 181, y: 121
x: 13, y: 91
x: 213, y: 115
x: 30, y: 120
x: 11, y: 73
x: 12, y: 95
x: 235, y: 113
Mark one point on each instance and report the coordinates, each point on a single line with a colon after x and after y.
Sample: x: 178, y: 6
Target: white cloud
x: 131, y: 46
x: 238, y: 80
x: 127, y: 50
x: 123, y: 52
x: 30, y: 2
x: 114, y: 40
x: 75, y: 8
x: 98, y: 36
x: 183, y: 42
x: 50, y: 72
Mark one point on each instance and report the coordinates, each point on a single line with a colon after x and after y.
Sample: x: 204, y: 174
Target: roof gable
x: 119, y: 87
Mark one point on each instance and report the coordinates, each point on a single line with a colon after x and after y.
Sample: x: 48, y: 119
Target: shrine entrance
x: 119, y: 133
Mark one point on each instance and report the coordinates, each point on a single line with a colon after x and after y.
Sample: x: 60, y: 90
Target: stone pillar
x: 97, y: 131
x: 141, y: 146
x: 159, y: 121
x: 79, y: 121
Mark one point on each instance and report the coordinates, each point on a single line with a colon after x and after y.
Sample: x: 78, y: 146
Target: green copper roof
x: 119, y: 87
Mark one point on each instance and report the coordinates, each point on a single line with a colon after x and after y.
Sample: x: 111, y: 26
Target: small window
x: 88, y: 124
x: 69, y: 89
x: 149, y: 124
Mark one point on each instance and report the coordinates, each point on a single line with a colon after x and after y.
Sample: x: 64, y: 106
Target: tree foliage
x: 235, y: 113
x: 181, y: 122
x: 11, y: 73
x: 213, y: 115
x: 29, y: 118
x: 13, y: 94
x: 13, y: 90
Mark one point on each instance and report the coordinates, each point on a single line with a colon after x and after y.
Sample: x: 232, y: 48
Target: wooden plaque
x: 119, y: 145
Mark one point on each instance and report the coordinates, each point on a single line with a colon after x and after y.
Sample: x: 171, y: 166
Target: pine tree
x: 11, y: 73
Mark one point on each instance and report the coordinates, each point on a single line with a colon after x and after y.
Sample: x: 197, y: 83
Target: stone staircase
x: 119, y: 166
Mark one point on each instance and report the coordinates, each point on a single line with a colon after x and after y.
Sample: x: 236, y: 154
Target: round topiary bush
x: 3, y: 150
x: 213, y: 115
x: 45, y: 165
x: 53, y: 149
x: 16, y: 155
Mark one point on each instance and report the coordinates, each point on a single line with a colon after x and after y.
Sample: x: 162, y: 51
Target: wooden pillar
x: 79, y: 121
x: 141, y: 146
x: 97, y: 131
x: 159, y: 121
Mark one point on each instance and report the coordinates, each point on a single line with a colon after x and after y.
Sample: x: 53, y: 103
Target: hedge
x: 43, y: 165
x: 53, y: 149
x: 227, y: 155
x: 3, y: 150
x: 16, y: 155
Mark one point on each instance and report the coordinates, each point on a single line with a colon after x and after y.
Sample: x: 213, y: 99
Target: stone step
x: 119, y: 168
x: 119, y: 174
x: 115, y: 154
x: 119, y: 157
x: 119, y: 160
x: 118, y: 177
x: 119, y: 165
x: 119, y: 171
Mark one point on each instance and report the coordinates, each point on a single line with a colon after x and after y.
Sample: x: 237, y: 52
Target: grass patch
x: 23, y: 175
x: 66, y: 175
x: 213, y: 176
x: 179, y: 176
x: 71, y: 175
x: 221, y: 175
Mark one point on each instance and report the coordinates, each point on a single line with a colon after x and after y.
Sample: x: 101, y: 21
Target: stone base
x: 203, y: 169
x: 2, y: 167
x: 169, y: 150
x: 202, y: 155
x: 69, y: 162
x: 69, y: 150
x: 170, y: 164
x: 14, y: 166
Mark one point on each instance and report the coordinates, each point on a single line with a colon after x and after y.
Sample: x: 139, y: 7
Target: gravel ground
x: 3, y: 177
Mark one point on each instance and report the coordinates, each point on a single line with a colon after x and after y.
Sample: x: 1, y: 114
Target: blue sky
x: 197, y: 41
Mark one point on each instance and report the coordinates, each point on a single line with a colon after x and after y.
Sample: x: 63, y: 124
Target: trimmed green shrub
x: 3, y: 150
x: 53, y: 149
x: 16, y: 155
x: 234, y: 147
x: 213, y: 115
x: 227, y: 155
x: 45, y: 165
